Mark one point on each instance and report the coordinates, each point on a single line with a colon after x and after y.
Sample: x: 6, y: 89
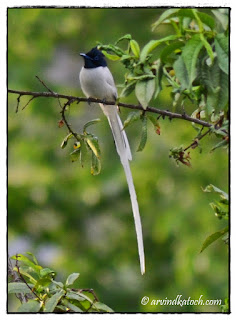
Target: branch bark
x: 163, y: 113
x: 16, y: 278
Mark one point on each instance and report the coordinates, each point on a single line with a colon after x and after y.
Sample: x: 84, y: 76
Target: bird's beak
x: 85, y: 56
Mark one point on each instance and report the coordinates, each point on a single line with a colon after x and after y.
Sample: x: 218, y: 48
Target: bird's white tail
x: 124, y: 152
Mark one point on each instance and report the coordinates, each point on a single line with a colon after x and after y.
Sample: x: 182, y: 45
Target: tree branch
x: 65, y: 120
x: 163, y: 113
x: 194, y: 144
x: 16, y: 278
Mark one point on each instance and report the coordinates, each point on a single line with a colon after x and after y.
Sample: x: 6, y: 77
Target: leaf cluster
x: 143, y: 117
x: 180, y: 155
x: 193, y: 62
x: 85, y: 142
x: 221, y: 210
x: 44, y: 294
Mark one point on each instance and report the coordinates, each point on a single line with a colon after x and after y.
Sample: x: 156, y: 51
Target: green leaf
x: 103, y: 307
x: 47, y: 271
x: 74, y: 155
x: 212, y: 238
x: 135, y: 48
x: 144, y: 91
x: 83, y: 153
x: 27, y: 261
x: 118, y: 51
x: 155, y: 122
x: 204, y: 17
x: 164, y: 16
x: 181, y: 73
x: 65, y: 140
x: 112, y: 57
x: 95, y: 165
x: 174, y: 13
x: 158, y: 79
x: 142, y: 77
x: 30, y: 306
x: 71, y: 278
x: 43, y: 282
x: 128, y: 89
x: 152, y: 44
x: 222, y: 18
x: 90, y: 123
x: 74, y: 296
x: 225, y: 307
x: 221, y: 208
x: 207, y: 19
x: 82, y: 295
x: 170, y: 79
x: 170, y: 49
x: 93, y: 145
x: 126, y: 58
x: 207, y: 46
x: 222, y: 50
x: 62, y: 308
x: 132, y: 116
x: 58, y: 283
x: 71, y: 306
x: 29, y: 273
x: 79, y: 296
x: 222, y: 143
x: 217, y: 84
x: 52, y: 302
x: 197, y: 18
x: 212, y: 188
x: 33, y: 257
x: 19, y: 287
x: 190, y: 55
x: 219, y: 131
x: 125, y: 37
x: 143, y: 135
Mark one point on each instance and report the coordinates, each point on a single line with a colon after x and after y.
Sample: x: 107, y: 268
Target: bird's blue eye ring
x: 96, y: 58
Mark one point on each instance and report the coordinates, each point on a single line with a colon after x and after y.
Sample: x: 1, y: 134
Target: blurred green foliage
x: 41, y: 293
x: 76, y: 222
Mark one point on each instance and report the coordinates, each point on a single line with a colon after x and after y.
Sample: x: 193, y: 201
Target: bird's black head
x: 94, y: 59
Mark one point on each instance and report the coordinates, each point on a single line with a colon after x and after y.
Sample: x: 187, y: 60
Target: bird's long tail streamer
x: 124, y: 152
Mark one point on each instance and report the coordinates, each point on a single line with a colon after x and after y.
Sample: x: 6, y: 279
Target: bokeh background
x: 75, y: 222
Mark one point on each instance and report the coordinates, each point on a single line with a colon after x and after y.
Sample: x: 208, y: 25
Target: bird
x: 97, y: 82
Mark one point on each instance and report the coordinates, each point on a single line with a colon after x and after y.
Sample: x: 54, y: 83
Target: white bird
x: 97, y: 82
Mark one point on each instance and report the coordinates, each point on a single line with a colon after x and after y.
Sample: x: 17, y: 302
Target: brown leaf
x: 60, y: 123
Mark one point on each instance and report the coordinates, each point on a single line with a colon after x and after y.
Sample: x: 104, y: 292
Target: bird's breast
x: 94, y: 83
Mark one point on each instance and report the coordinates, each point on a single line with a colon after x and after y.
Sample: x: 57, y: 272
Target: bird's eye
x: 96, y: 58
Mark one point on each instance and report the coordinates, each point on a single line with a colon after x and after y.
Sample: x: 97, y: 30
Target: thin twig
x: 65, y: 120
x: 28, y: 102
x: 163, y: 113
x: 18, y: 103
x: 94, y: 295
x: 41, y: 81
x: 21, y: 296
x: 23, y: 279
x: 195, y: 142
x: 90, y: 291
